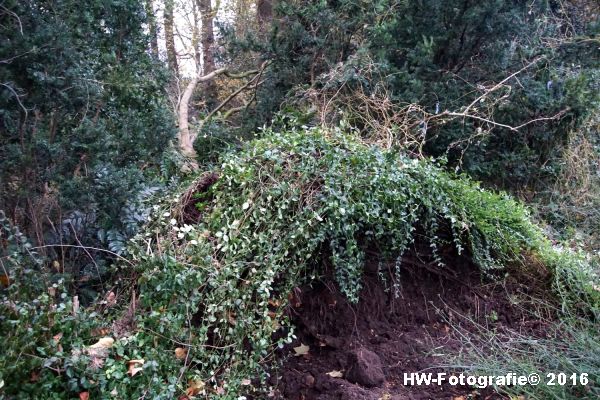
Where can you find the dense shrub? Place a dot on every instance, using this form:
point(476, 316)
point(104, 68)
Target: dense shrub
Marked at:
point(84, 123)
point(206, 312)
point(442, 55)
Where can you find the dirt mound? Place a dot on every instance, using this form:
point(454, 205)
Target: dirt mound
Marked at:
point(361, 351)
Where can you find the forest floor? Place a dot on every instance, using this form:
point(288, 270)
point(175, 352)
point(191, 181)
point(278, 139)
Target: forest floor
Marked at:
point(361, 351)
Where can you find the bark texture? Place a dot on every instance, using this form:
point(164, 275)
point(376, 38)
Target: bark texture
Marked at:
point(152, 27)
point(170, 37)
point(207, 41)
point(264, 13)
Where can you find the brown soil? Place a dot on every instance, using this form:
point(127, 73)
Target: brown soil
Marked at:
point(198, 193)
point(373, 343)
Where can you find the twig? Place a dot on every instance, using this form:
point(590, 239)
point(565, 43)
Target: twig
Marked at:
point(85, 247)
point(14, 15)
point(88, 254)
point(512, 128)
point(501, 83)
point(235, 93)
point(187, 344)
point(17, 96)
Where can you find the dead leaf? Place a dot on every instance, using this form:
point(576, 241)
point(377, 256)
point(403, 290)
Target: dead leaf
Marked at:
point(335, 374)
point(96, 363)
point(35, 376)
point(246, 382)
point(294, 297)
point(195, 387)
point(4, 280)
point(111, 299)
point(231, 318)
point(99, 351)
point(274, 303)
point(180, 353)
point(301, 350)
point(104, 343)
point(100, 331)
point(56, 265)
point(84, 395)
point(134, 366)
point(275, 324)
point(57, 337)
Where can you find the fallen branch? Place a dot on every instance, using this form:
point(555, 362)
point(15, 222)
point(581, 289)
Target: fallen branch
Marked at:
point(500, 125)
point(501, 83)
point(84, 248)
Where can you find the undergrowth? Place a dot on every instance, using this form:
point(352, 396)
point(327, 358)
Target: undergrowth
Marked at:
point(571, 348)
point(566, 355)
point(207, 311)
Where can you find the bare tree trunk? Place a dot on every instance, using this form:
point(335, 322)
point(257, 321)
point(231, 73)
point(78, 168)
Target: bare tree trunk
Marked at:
point(152, 27)
point(207, 41)
point(170, 37)
point(186, 139)
point(196, 37)
point(264, 13)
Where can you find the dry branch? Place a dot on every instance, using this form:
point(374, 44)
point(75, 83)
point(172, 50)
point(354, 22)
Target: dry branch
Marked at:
point(387, 123)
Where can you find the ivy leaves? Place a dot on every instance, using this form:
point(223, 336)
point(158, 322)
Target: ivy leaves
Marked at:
point(211, 295)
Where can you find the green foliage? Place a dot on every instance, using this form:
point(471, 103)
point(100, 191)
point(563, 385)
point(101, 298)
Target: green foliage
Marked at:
point(570, 344)
point(84, 123)
point(444, 54)
point(284, 211)
point(84, 118)
point(214, 140)
point(309, 191)
point(35, 307)
point(569, 348)
point(572, 205)
point(85, 152)
point(291, 204)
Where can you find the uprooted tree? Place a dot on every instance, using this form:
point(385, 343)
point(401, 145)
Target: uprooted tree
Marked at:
point(322, 135)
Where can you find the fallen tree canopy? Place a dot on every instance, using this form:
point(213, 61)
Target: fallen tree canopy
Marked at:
point(215, 269)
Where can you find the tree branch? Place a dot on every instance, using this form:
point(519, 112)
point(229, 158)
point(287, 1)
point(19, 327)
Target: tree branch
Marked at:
point(186, 139)
point(501, 83)
point(257, 75)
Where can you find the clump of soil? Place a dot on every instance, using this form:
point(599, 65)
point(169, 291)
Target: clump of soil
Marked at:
point(373, 343)
point(196, 197)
